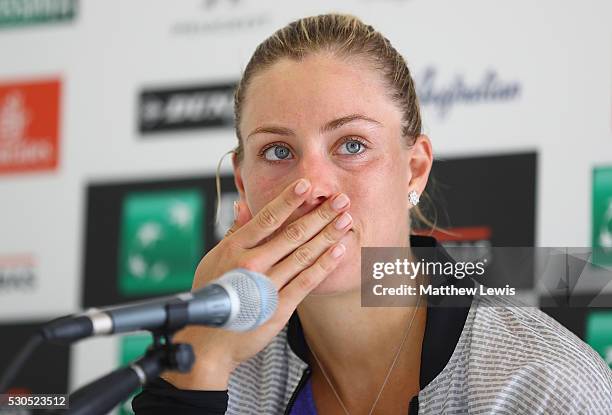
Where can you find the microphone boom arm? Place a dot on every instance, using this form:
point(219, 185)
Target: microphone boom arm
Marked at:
point(100, 396)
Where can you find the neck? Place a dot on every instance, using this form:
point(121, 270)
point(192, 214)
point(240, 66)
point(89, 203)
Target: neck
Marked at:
point(356, 346)
point(354, 342)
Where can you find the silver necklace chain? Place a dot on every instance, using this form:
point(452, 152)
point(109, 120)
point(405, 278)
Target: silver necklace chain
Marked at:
point(399, 349)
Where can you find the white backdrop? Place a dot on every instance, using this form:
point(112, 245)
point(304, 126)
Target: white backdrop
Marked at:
point(559, 54)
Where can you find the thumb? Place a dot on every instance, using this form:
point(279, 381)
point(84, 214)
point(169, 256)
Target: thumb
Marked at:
point(242, 215)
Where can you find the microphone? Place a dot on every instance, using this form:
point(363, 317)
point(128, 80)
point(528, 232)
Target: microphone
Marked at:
point(239, 300)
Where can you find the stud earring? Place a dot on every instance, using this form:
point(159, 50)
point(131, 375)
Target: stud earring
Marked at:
point(413, 197)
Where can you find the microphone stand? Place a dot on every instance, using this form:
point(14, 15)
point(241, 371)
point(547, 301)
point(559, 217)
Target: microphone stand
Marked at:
point(100, 396)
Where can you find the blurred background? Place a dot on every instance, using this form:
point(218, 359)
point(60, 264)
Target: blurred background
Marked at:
point(114, 115)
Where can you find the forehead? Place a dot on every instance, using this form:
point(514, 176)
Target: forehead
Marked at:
point(315, 90)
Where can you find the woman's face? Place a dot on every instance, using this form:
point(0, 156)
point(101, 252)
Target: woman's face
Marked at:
point(330, 121)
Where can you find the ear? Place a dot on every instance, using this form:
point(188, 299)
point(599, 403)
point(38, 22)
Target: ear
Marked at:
point(238, 176)
point(421, 159)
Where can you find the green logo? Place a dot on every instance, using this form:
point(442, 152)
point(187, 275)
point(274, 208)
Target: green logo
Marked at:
point(602, 216)
point(133, 347)
point(161, 241)
point(599, 334)
point(28, 12)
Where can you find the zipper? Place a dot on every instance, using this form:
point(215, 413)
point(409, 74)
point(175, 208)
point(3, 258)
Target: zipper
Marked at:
point(296, 392)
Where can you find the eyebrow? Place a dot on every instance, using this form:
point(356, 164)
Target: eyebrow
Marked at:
point(330, 126)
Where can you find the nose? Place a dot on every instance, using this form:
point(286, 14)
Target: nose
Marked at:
point(324, 183)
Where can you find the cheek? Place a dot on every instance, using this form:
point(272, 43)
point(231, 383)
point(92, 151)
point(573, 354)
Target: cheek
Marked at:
point(377, 210)
point(379, 201)
point(383, 185)
point(261, 190)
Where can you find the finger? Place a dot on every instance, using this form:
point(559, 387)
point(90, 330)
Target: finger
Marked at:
point(242, 215)
point(306, 255)
point(273, 215)
point(307, 280)
point(304, 229)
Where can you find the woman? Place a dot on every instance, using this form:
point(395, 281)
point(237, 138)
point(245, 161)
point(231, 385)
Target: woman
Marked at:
point(331, 158)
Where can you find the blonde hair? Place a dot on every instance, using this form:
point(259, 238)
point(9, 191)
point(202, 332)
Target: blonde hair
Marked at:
point(344, 36)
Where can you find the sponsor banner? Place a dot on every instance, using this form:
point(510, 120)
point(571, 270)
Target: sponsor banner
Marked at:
point(31, 12)
point(478, 205)
point(185, 108)
point(144, 239)
point(476, 200)
point(29, 126)
point(602, 215)
point(18, 273)
point(444, 94)
point(161, 241)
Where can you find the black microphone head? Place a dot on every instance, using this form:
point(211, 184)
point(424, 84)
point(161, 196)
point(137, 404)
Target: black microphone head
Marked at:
point(253, 296)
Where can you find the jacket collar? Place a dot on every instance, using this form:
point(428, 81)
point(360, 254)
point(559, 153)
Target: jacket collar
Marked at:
point(443, 326)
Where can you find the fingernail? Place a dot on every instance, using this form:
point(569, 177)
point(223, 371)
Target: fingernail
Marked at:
point(236, 209)
point(340, 201)
point(338, 251)
point(301, 187)
point(343, 221)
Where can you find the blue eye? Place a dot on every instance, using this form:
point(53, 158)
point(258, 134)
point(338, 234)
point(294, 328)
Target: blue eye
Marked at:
point(276, 153)
point(353, 147)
